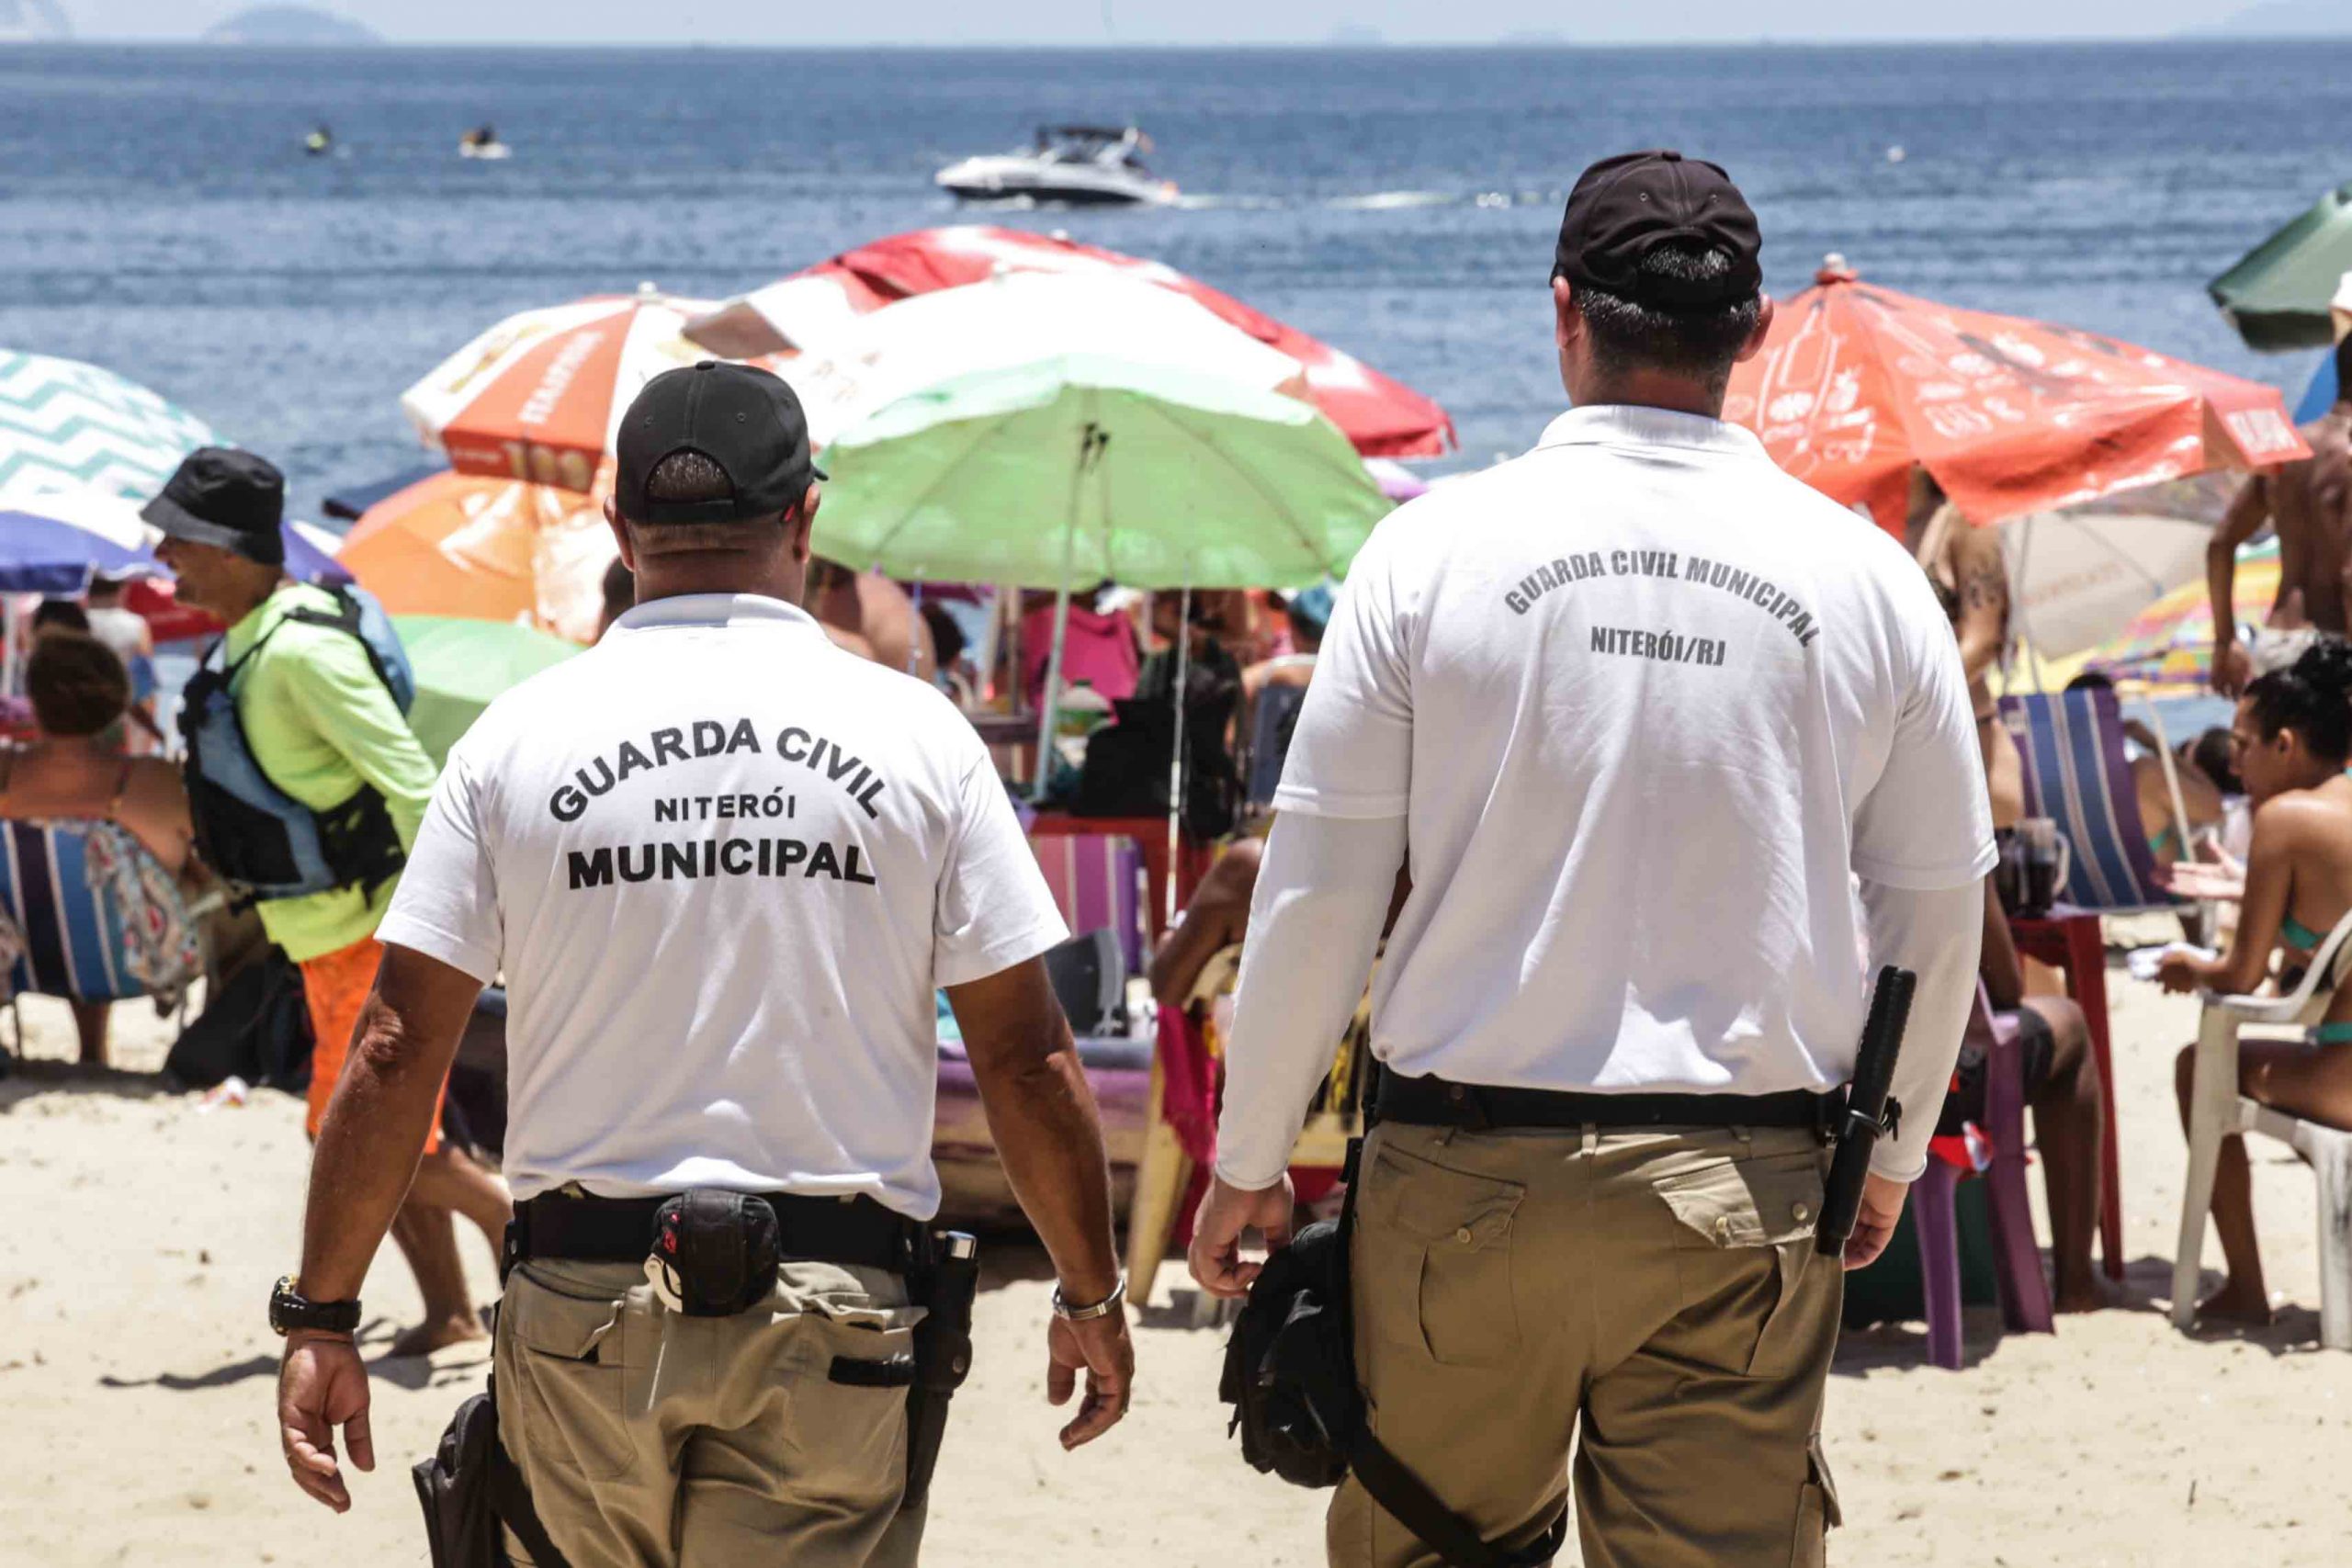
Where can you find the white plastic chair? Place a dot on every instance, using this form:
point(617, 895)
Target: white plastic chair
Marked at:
point(2216, 1110)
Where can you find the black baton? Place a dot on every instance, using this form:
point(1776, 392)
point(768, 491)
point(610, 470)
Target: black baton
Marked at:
point(1868, 1111)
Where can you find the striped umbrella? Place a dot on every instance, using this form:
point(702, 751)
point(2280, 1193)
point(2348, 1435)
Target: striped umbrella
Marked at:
point(65, 423)
point(537, 396)
point(2167, 651)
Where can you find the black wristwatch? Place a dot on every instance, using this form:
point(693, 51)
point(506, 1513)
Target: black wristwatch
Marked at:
point(289, 1309)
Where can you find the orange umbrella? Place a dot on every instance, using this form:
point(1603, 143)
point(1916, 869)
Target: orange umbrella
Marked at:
point(487, 550)
point(1857, 385)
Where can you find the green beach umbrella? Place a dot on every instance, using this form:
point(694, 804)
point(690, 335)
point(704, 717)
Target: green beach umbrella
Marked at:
point(2276, 296)
point(1085, 468)
point(460, 665)
point(1082, 468)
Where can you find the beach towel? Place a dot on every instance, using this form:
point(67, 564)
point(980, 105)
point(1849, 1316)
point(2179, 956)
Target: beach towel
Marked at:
point(1188, 1085)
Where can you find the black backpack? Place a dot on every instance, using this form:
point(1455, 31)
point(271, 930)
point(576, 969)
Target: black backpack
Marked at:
point(1290, 1375)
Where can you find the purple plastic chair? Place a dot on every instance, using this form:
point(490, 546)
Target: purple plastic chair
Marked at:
point(2017, 1266)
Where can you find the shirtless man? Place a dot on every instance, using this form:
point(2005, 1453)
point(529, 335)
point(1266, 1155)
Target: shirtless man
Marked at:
point(872, 616)
point(1972, 578)
point(2310, 505)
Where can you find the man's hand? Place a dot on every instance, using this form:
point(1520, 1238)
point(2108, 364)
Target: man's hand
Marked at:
point(1875, 1221)
point(323, 1384)
point(1100, 1347)
point(1226, 1212)
point(2233, 668)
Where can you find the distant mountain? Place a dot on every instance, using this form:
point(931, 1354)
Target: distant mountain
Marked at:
point(1355, 35)
point(2286, 19)
point(33, 21)
point(288, 25)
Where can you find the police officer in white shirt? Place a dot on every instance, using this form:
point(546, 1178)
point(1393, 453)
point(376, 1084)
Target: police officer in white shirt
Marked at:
point(1636, 710)
point(722, 865)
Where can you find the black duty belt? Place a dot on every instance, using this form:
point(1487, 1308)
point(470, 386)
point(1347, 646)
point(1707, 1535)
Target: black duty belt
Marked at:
point(855, 1231)
point(1439, 1102)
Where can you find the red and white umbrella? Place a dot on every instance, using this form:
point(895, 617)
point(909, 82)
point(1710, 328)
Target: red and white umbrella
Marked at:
point(1381, 417)
point(537, 396)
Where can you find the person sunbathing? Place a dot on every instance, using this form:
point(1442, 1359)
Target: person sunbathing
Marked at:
point(77, 769)
point(2289, 743)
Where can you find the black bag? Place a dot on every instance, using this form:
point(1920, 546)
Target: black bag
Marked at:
point(254, 1026)
point(1290, 1375)
point(1125, 772)
point(719, 1250)
point(469, 1487)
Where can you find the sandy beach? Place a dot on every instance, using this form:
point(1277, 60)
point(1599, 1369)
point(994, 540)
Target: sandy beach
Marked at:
point(137, 1372)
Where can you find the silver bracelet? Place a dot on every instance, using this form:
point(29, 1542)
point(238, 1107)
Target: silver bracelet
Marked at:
point(1104, 1308)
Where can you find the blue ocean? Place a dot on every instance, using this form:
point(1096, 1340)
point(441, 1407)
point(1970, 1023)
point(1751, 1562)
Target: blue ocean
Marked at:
point(158, 215)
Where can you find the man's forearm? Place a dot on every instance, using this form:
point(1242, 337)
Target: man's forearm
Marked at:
point(1049, 1137)
point(368, 1146)
point(1936, 936)
point(1322, 898)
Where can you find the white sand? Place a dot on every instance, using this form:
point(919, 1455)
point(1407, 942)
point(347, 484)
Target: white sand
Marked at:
point(136, 1378)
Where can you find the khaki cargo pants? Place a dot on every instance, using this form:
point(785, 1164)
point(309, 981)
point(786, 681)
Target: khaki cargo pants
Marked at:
point(1652, 1296)
point(651, 1440)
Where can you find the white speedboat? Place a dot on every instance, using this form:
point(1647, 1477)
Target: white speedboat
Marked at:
point(1070, 165)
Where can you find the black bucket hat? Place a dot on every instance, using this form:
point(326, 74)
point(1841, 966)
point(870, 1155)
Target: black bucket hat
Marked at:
point(226, 498)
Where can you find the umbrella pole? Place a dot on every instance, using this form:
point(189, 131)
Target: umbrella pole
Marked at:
point(1050, 701)
point(1176, 759)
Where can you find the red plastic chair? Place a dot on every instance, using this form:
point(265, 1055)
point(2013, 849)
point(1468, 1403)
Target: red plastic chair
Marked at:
point(2017, 1266)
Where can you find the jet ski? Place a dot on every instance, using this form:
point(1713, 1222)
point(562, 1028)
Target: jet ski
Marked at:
point(319, 142)
point(483, 141)
point(1068, 166)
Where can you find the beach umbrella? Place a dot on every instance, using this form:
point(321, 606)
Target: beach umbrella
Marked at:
point(1084, 467)
point(65, 424)
point(51, 541)
point(2168, 648)
point(462, 666)
point(2324, 393)
point(537, 396)
point(864, 364)
point(1381, 417)
point(457, 545)
point(2077, 578)
point(2277, 295)
point(1857, 385)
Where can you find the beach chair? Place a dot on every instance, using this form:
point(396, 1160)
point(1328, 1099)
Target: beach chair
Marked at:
point(2076, 775)
point(2017, 1266)
point(2216, 1110)
point(1271, 722)
point(73, 933)
point(1096, 881)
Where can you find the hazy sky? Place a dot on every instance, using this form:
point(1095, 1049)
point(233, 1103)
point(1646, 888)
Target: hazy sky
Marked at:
point(1182, 21)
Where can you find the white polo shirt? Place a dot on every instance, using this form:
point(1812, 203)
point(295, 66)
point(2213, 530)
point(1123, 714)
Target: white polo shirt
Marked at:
point(1648, 706)
point(722, 864)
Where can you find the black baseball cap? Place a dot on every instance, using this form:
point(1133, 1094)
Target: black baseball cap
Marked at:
point(229, 499)
point(1623, 206)
point(743, 418)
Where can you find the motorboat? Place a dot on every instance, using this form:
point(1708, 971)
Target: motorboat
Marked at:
point(483, 141)
point(1069, 165)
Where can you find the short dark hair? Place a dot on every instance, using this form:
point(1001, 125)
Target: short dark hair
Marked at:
point(52, 613)
point(77, 686)
point(1702, 342)
point(2312, 696)
point(2344, 370)
point(2210, 754)
point(688, 474)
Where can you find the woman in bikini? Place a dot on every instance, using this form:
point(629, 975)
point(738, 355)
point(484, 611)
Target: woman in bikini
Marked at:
point(2289, 743)
point(81, 696)
point(1971, 579)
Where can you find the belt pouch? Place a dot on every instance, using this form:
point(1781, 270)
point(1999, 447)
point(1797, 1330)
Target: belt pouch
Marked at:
point(715, 1252)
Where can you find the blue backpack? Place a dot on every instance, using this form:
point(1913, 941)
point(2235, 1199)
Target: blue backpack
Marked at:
point(260, 840)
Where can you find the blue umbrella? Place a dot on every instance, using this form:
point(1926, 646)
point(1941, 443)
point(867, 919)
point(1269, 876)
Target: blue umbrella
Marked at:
point(40, 554)
point(2323, 393)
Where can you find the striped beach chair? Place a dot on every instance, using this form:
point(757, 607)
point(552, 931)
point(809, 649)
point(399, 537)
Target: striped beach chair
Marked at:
point(2076, 775)
point(1098, 884)
point(73, 933)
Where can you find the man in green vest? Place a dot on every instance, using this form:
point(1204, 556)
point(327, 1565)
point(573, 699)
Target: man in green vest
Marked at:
point(321, 725)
